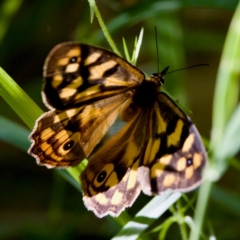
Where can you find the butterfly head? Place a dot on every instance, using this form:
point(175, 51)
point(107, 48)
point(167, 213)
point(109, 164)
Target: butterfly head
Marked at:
point(159, 77)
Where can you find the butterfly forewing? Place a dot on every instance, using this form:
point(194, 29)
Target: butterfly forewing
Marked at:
point(75, 75)
point(78, 74)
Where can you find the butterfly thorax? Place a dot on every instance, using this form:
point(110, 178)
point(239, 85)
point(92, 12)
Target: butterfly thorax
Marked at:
point(146, 94)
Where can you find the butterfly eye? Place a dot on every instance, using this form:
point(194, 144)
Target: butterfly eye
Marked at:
point(73, 60)
point(68, 145)
point(101, 176)
point(189, 161)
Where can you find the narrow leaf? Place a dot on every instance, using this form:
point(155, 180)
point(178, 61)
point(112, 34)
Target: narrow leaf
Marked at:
point(92, 5)
point(18, 100)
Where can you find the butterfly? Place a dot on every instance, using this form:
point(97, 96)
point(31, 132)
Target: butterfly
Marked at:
point(86, 88)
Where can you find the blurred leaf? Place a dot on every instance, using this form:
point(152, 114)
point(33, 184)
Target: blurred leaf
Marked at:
point(225, 100)
point(227, 85)
point(126, 52)
point(137, 47)
point(18, 100)
point(74, 181)
point(8, 130)
point(231, 4)
point(92, 6)
point(144, 10)
point(165, 226)
point(230, 144)
point(203, 196)
point(7, 11)
point(105, 31)
point(229, 201)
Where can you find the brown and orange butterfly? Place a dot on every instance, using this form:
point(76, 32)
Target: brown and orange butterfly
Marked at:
point(86, 88)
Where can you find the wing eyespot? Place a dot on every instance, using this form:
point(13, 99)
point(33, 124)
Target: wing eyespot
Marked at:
point(189, 161)
point(73, 60)
point(101, 176)
point(68, 145)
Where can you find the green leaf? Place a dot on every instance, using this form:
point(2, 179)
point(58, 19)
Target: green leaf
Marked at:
point(137, 47)
point(28, 111)
point(227, 199)
point(165, 226)
point(8, 130)
point(230, 144)
point(105, 31)
point(18, 100)
point(7, 11)
point(227, 85)
point(92, 6)
point(126, 52)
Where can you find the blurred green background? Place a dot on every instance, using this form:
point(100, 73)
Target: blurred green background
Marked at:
point(37, 203)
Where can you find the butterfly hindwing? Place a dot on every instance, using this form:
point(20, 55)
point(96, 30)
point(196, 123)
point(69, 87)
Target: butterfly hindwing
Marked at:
point(109, 181)
point(179, 171)
point(51, 138)
point(174, 157)
point(77, 74)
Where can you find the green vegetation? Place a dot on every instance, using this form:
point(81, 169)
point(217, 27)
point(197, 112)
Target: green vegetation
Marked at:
point(38, 203)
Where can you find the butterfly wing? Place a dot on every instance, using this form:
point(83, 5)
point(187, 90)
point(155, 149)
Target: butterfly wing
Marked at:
point(85, 87)
point(109, 181)
point(175, 156)
point(159, 148)
point(65, 138)
point(77, 74)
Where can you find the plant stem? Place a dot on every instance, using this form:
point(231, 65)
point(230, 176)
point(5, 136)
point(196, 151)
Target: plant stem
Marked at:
point(105, 31)
point(204, 193)
point(181, 221)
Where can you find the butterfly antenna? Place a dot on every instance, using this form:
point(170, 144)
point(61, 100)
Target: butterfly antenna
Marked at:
point(197, 65)
point(157, 49)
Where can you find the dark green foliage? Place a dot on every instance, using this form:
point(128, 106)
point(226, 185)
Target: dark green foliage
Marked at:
point(36, 203)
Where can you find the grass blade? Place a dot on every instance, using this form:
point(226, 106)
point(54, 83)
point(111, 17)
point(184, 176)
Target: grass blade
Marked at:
point(18, 100)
